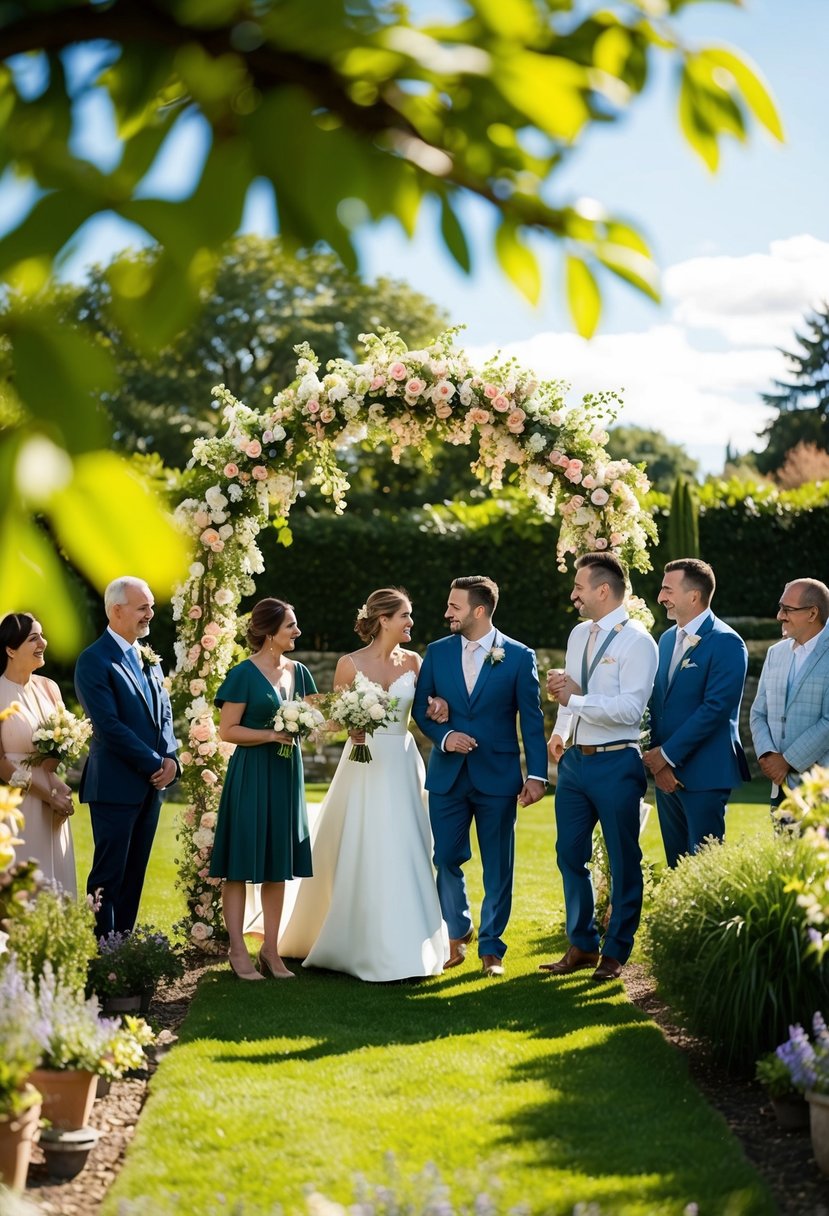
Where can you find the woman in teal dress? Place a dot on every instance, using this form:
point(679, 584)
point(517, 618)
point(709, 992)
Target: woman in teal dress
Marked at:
point(262, 828)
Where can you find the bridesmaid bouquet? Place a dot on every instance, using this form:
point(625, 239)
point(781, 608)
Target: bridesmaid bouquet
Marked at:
point(62, 737)
point(364, 706)
point(297, 718)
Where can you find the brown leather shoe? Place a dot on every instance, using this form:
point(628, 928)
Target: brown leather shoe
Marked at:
point(492, 965)
point(608, 969)
point(573, 960)
point(457, 949)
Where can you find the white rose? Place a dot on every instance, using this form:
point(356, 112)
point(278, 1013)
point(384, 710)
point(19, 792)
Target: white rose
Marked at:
point(291, 713)
point(377, 712)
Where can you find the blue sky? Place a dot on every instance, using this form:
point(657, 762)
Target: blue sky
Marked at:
point(744, 253)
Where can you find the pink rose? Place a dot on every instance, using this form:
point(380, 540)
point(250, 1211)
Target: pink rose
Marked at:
point(186, 758)
point(194, 652)
point(491, 391)
point(254, 449)
point(554, 457)
point(212, 627)
point(197, 687)
point(616, 539)
point(599, 497)
point(443, 410)
point(377, 382)
point(194, 613)
point(398, 371)
point(313, 406)
point(563, 461)
point(415, 387)
point(501, 403)
point(600, 543)
point(573, 475)
point(589, 482)
point(201, 519)
point(575, 465)
point(209, 642)
point(267, 436)
point(259, 472)
point(217, 546)
point(208, 777)
point(203, 872)
point(479, 416)
point(515, 423)
point(577, 501)
point(209, 536)
point(231, 470)
point(327, 415)
point(201, 731)
point(207, 749)
point(444, 390)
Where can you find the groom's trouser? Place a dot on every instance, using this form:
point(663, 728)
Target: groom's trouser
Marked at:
point(686, 817)
point(451, 816)
point(605, 788)
point(123, 836)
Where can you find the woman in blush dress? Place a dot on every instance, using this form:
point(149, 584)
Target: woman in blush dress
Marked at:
point(262, 826)
point(371, 909)
point(47, 805)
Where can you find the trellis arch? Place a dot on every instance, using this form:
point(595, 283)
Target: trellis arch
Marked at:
point(401, 397)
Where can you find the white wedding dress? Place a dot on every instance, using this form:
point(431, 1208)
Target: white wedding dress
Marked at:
point(372, 908)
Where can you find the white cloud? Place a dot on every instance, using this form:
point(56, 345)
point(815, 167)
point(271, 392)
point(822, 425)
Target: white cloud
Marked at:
point(701, 398)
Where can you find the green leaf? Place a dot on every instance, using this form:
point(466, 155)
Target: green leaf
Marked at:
point(108, 522)
point(33, 579)
point(632, 267)
point(695, 126)
point(517, 262)
point(753, 88)
point(548, 90)
point(454, 235)
point(583, 296)
point(46, 228)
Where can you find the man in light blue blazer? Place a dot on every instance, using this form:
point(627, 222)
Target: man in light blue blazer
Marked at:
point(132, 756)
point(696, 757)
point(790, 714)
point(487, 680)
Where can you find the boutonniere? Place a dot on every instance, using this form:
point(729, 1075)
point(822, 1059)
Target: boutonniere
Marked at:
point(686, 663)
point(496, 655)
point(609, 659)
point(149, 656)
point(692, 640)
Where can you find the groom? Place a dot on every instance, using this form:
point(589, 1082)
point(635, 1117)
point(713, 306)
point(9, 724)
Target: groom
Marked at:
point(132, 757)
point(475, 767)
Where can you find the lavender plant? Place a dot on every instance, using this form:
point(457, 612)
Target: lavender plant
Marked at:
point(807, 1061)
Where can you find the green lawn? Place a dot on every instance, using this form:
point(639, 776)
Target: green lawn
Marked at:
point(541, 1092)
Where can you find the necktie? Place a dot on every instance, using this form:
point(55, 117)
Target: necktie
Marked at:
point(592, 638)
point(135, 664)
point(470, 670)
point(679, 647)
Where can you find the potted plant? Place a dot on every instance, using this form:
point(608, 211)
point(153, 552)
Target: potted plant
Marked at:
point(53, 926)
point(19, 1100)
point(808, 1065)
point(128, 966)
point(789, 1105)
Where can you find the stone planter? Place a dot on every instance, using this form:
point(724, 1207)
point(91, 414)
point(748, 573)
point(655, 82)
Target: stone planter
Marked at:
point(819, 1124)
point(17, 1135)
point(66, 1153)
point(791, 1112)
point(68, 1095)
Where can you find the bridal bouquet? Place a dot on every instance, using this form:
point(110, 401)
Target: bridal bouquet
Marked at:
point(62, 737)
point(297, 718)
point(362, 707)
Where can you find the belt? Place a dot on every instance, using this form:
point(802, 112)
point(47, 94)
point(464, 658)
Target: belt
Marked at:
point(590, 749)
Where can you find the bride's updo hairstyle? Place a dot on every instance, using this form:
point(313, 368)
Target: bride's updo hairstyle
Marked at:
point(265, 620)
point(14, 629)
point(384, 602)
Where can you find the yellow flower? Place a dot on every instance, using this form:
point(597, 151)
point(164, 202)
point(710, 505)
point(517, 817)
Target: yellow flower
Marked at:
point(14, 708)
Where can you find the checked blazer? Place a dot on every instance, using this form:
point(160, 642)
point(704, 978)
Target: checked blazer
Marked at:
point(797, 726)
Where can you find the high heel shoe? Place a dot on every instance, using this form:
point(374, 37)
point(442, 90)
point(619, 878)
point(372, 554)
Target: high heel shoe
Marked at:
point(266, 969)
point(253, 974)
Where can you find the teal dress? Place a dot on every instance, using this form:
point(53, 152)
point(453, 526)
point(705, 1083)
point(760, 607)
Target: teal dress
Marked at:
point(262, 827)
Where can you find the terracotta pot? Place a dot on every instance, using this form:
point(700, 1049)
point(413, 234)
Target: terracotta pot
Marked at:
point(17, 1135)
point(791, 1112)
point(68, 1095)
point(819, 1124)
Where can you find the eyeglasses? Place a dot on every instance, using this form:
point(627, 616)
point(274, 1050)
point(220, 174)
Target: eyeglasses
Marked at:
point(787, 609)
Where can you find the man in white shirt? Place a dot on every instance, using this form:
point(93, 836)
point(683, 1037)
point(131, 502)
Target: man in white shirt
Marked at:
point(602, 694)
point(790, 714)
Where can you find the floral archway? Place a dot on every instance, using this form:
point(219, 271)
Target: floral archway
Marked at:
point(403, 398)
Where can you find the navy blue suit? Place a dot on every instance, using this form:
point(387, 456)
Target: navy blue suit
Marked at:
point(132, 736)
point(695, 720)
point(484, 784)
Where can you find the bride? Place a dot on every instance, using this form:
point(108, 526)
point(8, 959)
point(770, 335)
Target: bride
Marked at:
point(372, 908)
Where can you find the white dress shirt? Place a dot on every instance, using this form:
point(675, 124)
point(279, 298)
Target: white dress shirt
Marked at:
point(620, 686)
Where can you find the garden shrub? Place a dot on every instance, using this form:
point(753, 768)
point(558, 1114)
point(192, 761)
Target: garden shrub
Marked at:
point(54, 927)
point(729, 945)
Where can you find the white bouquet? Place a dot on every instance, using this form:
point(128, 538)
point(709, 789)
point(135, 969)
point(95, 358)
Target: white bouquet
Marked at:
point(296, 718)
point(62, 737)
point(364, 706)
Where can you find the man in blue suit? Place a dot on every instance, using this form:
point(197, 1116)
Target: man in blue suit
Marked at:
point(696, 758)
point(790, 714)
point(474, 773)
point(132, 757)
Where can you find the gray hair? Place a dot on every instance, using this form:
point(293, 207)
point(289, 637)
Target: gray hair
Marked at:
point(814, 594)
point(116, 592)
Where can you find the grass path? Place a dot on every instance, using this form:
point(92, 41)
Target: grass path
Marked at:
point(540, 1092)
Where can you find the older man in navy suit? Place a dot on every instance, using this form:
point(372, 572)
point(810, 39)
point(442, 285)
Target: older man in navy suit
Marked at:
point(696, 758)
point(488, 680)
point(132, 757)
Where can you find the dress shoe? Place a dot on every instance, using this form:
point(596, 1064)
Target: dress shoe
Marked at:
point(608, 969)
point(573, 960)
point(267, 970)
point(457, 950)
point(492, 965)
point(252, 974)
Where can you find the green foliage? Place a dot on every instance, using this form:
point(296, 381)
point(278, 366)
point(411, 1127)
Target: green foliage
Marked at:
point(729, 947)
point(774, 1076)
point(129, 963)
point(58, 929)
point(665, 461)
point(801, 401)
point(683, 521)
